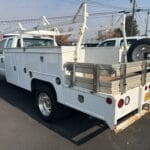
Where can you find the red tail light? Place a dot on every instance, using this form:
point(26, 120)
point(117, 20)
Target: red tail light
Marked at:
point(109, 101)
point(120, 103)
point(149, 87)
point(145, 88)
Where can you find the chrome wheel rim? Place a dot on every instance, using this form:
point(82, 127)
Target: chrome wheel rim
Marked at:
point(138, 53)
point(44, 103)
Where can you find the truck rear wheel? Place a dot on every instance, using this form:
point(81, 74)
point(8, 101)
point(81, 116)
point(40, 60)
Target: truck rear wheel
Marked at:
point(139, 51)
point(46, 105)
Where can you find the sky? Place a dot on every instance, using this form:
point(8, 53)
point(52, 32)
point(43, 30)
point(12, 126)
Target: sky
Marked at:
point(28, 8)
point(23, 9)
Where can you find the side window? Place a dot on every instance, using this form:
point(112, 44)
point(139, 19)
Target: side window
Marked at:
point(9, 44)
point(108, 43)
point(2, 45)
point(129, 42)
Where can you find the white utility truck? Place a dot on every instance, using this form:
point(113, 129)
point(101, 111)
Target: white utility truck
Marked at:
point(61, 76)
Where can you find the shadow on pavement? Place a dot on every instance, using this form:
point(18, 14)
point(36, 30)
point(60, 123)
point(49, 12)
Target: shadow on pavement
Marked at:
point(78, 128)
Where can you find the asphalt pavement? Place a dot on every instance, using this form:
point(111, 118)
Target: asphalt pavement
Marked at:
point(22, 129)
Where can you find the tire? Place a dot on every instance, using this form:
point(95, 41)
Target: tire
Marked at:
point(46, 105)
point(138, 50)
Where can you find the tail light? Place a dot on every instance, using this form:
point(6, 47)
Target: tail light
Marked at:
point(108, 100)
point(120, 103)
point(145, 88)
point(149, 87)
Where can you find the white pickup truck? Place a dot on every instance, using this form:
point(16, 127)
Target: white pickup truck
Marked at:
point(138, 49)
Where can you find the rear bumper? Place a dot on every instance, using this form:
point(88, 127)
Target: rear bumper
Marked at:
point(137, 102)
point(123, 125)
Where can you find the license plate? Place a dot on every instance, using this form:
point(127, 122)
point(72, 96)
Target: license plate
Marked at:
point(147, 96)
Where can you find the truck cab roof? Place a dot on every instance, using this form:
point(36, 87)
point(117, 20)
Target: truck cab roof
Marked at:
point(27, 40)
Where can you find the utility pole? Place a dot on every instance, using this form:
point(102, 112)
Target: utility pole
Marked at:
point(112, 22)
point(133, 14)
point(147, 23)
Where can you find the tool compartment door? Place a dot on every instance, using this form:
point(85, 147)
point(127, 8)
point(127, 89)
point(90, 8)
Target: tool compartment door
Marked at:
point(11, 68)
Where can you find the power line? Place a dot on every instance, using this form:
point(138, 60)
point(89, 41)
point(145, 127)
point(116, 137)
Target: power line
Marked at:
point(104, 5)
point(147, 23)
point(140, 18)
point(51, 19)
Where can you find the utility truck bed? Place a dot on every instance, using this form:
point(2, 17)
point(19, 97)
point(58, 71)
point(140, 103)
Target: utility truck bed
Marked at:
point(127, 85)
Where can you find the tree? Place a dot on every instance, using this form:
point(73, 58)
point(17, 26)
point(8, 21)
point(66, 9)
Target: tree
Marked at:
point(128, 26)
point(63, 39)
point(118, 33)
point(105, 34)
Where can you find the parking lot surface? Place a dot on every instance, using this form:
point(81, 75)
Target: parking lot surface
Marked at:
point(22, 129)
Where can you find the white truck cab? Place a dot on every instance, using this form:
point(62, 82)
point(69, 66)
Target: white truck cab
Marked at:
point(12, 41)
point(20, 41)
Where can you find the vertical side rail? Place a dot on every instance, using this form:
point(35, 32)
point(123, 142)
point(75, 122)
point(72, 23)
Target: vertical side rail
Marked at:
point(72, 75)
point(144, 71)
point(96, 75)
point(123, 69)
point(123, 29)
point(143, 82)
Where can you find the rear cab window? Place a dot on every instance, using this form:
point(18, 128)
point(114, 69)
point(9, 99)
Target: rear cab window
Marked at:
point(33, 42)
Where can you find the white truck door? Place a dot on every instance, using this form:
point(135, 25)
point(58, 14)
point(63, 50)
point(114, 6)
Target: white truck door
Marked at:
point(10, 63)
point(11, 68)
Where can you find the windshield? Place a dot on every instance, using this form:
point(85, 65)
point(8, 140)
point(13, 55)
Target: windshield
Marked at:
point(29, 42)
